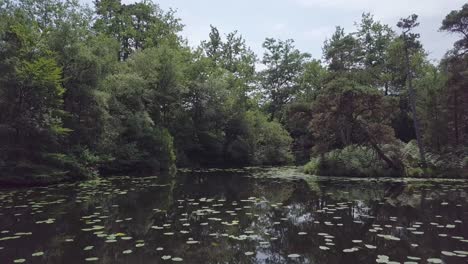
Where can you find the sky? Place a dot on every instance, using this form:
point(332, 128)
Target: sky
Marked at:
point(308, 22)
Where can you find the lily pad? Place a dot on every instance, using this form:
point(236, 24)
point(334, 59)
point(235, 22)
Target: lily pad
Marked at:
point(37, 254)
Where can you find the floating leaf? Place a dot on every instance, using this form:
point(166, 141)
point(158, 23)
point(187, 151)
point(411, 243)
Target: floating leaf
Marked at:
point(448, 253)
point(350, 250)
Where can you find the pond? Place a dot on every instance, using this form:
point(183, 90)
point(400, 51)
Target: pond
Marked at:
point(254, 215)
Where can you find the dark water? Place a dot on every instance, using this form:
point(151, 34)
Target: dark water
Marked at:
point(254, 216)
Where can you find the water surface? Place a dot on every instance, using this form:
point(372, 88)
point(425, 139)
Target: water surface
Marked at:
point(237, 216)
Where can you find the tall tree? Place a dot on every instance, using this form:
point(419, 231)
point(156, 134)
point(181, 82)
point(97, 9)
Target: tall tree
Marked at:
point(136, 26)
point(347, 113)
point(284, 68)
point(342, 52)
point(31, 89)
point(456, 65)
point(411, 43)
point(231, 54)
point(457, 22)
point(375, 39)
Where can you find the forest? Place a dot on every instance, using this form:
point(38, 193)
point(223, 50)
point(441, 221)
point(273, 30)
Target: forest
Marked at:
point(114, 89)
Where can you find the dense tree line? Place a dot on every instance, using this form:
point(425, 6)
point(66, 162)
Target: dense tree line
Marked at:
point(115, 89)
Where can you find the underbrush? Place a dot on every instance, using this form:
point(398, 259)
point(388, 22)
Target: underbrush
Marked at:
point(363, 161)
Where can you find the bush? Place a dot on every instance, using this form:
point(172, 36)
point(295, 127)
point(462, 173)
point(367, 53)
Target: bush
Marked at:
point(465, 162)
point(449, 164)
point(363, 162)
point(74, 165)
point(47, 168)
point(353, 161)
point(143, 152)
point(312, 167)
point(414, 172)
point(270, 142)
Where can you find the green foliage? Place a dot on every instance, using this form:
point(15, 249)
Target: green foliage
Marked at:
point(271, 142)
point(352, 161)
point(465, 162)
point(312, 167)
point(31, 93)
point(415, 172)
point(136, 26)
point(454, 159)
point(231, 54)
point(347, 114)
point(280, 80)
point(74, 164)
point(116, 90)
point(455, 22)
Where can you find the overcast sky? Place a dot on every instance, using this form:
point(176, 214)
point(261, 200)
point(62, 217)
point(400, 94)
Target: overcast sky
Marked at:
point(308, 22)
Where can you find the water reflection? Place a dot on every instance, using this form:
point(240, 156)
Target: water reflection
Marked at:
point(237, 216)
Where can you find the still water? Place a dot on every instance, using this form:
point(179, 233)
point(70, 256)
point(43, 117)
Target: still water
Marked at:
point(237, 216)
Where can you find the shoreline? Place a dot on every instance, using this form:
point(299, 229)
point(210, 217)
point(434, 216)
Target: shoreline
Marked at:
point(271, 172)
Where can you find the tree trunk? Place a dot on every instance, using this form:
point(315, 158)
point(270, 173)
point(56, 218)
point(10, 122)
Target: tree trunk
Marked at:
point(412, 99)
point(379, 151)
point(455, 117)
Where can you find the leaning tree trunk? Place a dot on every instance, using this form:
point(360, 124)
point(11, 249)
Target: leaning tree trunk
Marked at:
point(391, 163)
point(412, 99)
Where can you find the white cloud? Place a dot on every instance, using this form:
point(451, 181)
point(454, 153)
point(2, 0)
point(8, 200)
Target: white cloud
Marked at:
point(387, 9)
point(431, 13)
point(279, 27)
point(319, 33)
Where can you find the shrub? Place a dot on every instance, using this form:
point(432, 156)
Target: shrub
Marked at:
point(465, 162)
point(450, 164)
point(270, 142)
point(144, 152)
point(414, 172)
point(353, 161)
point(363, 161)
point(312, 167)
